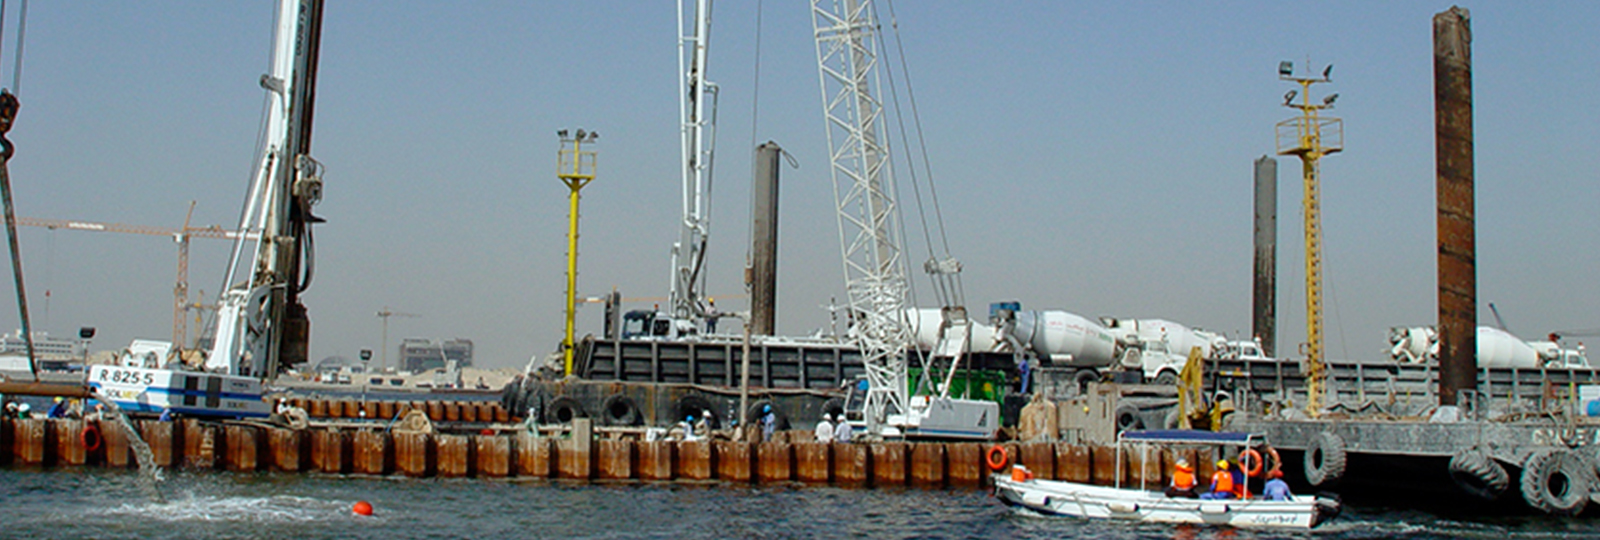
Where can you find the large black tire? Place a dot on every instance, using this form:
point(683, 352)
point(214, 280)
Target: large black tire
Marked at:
point(833, 407)
point(695, 405)
point(1325, 460)
point(1127, 417)
point(563, 409)
point(780, 420)
point(620, 410)
point(1478, 474)
point(1556, 482)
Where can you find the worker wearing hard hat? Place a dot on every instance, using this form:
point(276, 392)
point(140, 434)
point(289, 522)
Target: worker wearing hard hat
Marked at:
point(57, 409)
point(1183, 482)
point(1221, 482)
point(825, 429)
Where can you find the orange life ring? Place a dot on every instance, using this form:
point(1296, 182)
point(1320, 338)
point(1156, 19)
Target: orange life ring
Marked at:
point(1253, 458)
point(90, 444)
point(1277, 462)
point(996, 458)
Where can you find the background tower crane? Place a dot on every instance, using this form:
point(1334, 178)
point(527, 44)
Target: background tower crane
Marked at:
point(180, 292)
point(1310, 137)
point(384, 314)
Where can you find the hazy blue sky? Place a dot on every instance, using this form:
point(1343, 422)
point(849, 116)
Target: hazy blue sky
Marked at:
point(1092, 156)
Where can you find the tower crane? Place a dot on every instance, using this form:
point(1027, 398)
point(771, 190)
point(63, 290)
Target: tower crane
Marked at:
point(384, 314)
point(180, 292)
point(869, 226)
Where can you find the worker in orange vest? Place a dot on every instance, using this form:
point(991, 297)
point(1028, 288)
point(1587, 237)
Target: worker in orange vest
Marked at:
point(1221, 483)
point(1183, 483)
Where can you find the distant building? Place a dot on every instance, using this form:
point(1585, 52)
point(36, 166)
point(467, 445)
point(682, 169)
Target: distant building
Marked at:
point(52, 353)
point(417, 354)
point(335, 364)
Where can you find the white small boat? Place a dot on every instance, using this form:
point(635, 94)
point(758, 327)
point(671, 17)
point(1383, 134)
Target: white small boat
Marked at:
point(1052, 497)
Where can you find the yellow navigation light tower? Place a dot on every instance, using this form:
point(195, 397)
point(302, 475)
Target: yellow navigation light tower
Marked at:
point(575, 167)
point(1311, 136)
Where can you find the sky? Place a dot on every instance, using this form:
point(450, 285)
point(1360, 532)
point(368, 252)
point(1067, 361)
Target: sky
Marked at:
point(1094, 157)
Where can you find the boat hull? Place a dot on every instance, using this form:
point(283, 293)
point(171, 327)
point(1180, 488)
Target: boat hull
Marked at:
point(1099, 502)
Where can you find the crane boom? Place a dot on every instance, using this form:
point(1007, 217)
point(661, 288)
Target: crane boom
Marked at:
point(875, 275)
point(697, 115)
point(262, 326)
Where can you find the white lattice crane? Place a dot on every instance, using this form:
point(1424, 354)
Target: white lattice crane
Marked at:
point(869, 228)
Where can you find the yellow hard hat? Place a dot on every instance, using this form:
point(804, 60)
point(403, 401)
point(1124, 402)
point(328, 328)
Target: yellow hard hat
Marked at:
point(58, 399)
point(1222, 463)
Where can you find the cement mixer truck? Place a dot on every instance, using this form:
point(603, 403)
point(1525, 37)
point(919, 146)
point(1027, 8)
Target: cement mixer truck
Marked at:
point(1154, 348)
point(1496, 349)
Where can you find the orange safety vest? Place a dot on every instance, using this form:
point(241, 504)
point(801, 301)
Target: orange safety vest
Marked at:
point(1183, 477)
point(1222, 481)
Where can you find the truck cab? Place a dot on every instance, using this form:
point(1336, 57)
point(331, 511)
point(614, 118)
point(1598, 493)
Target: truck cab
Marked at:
point(649, 324)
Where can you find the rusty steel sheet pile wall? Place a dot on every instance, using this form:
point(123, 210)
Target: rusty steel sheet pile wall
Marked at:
point(582, 454)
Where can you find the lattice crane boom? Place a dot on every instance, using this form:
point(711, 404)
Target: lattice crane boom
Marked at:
point(863, 183)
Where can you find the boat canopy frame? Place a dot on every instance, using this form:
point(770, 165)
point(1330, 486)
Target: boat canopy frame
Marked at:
point(1173, 437)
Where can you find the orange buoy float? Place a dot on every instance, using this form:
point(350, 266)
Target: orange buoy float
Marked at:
point(997, 458)
point(90, 437)
point(362, 508)
point(1252, 457)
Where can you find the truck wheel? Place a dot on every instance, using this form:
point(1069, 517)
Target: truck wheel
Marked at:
point(1167, 378)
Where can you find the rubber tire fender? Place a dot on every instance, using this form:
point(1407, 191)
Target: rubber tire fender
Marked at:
point(620, 410)
point(563, 410)
point(834, 406)
point(1555, 482)
point(1127, 418)
point(694, 405)
point(780, 420)
point(1478, 474)
point(1325, 459)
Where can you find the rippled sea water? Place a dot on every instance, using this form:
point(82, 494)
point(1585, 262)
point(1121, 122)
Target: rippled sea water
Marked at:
point(107, 503)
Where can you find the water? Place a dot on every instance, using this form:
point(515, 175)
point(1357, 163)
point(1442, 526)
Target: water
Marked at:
point(108, 503)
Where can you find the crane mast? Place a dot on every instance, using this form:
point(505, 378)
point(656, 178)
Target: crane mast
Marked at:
point(262, 326)
point(697, 115)
point(875, 275)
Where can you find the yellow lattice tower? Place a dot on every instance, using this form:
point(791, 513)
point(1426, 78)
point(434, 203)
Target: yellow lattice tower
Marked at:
point(1311, 136)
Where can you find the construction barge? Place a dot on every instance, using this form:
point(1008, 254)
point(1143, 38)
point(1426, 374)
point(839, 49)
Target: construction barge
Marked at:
point(1521, 434)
